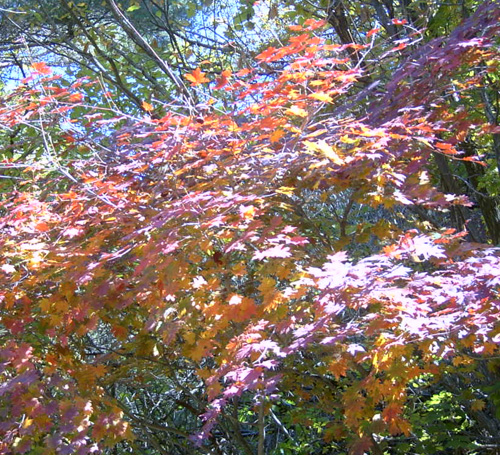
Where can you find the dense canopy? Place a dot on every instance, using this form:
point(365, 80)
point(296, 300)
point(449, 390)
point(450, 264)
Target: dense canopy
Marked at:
point(233, 228)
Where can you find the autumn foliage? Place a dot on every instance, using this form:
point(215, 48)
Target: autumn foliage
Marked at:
point(185, 240)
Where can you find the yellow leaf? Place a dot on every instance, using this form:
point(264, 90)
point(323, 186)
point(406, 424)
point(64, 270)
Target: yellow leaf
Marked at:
point(282, 272)
point(61, 305)
point(321, 96)
point(27, 423)
point(299, 112)
point(323, 147)
point(190, 337)
point(379, 360)
point(318, 132)
point(45, 305)
point(347, 140)
point(239, 269)
point(286, 190)
point(55, 319)
point(267, 285)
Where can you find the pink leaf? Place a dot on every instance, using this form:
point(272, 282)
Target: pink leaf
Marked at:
point(278, 251)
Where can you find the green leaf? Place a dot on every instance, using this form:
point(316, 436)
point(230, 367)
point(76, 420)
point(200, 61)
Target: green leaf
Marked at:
point(133, 7)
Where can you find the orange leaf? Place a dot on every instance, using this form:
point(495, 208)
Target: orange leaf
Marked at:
point(248, 213)
point(392, 412)
point(267, 55)
point(147, 107)
point(42, 226)
point(446, 148)
point(41, 68)
point(276, 135)
point(75, 97)
point(313, 24)
point(243, 72)
point(196, 77)
point(474, 159)
point(338, 367)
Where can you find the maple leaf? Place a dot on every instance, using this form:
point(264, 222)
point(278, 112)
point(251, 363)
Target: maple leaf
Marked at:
point(278, 251)
point(478, 405)
point(248, 213)
point(323, 147)
point(8, 268)
point(361, 446)
point(147, 107)
point(41, 68)
point(372, 32)
point(276, 135)
point(399, 47)
point(424, 247)
point(313, 24)
point(223, 79)
point(338, 367)
point(75, 97)
point(297, 111)
point(196, 77)
point(321, 96)
point(391, 412)
point(169, 259)
point(72, 232)
point(267, 55)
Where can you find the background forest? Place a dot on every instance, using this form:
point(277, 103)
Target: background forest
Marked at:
point(251, 228)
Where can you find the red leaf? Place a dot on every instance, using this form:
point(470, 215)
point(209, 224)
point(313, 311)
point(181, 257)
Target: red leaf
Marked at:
point(399, 21)
point(373, 31)
point(398, 47)
point(223, 79)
